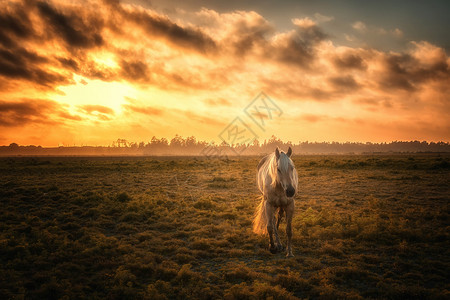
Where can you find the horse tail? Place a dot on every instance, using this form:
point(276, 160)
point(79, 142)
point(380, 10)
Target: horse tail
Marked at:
point(260, 219)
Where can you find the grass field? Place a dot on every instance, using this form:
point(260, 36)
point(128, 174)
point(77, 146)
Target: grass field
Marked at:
point(180, 228)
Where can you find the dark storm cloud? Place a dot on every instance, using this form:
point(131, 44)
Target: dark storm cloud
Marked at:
point(20, 63)
point(71, 27)
point(15, 24)
point(17, 62)
point(27, 111)
point(18, 24)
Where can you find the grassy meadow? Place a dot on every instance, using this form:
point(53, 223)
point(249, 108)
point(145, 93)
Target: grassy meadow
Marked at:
point(366, 226)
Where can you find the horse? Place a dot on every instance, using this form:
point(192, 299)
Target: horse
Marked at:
point(277, 180)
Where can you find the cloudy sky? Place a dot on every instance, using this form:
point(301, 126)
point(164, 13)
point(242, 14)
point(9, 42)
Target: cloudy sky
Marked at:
point(88, 72)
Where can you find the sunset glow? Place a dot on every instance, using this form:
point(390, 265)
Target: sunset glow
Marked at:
point(89, 72)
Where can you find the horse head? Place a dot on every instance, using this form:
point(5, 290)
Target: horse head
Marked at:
point(286, 173)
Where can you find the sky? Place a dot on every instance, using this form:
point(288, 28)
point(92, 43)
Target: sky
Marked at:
point(89, 72)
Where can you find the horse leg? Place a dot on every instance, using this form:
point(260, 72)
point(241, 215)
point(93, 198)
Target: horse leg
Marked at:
point(289, 215)
point(280, 217)
point(270, 210)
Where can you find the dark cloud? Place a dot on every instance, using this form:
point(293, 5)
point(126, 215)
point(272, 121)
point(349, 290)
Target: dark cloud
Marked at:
point(135, 70)
point(18, 62)
point(247, 35)
point(22, 64)
point(93, 70)
point(186, 37)
point(71, 27)
point(318, 94)
point(69, 63)
point(311, 34)
point(439, 70)
point(396, 75)
point(349, 61)
point(159, 26)
point(15, 24)
point(18, 24)
point(294, 52)
point(344, 82)
point(20, 113)
point(405, 72)
point(298, 47)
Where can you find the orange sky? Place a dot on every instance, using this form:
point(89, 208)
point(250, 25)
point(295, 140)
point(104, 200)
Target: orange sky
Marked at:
point(89, 72)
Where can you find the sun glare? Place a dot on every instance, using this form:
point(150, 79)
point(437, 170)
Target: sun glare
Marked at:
point(95, 92)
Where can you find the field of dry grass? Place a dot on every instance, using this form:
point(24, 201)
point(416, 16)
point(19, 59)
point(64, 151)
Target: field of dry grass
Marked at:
point(180, 228)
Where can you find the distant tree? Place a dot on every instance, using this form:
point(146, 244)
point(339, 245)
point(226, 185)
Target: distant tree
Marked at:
point(177, 142)
point(190, 142)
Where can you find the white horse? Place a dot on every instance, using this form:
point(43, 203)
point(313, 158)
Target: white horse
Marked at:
point(277, 180)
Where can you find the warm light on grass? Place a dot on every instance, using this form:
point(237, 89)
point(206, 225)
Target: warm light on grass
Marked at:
point(364, 227)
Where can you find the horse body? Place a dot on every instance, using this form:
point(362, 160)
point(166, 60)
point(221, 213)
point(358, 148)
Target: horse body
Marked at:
point(277, 180)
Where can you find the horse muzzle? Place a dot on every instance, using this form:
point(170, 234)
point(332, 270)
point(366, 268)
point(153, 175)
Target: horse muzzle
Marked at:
point(290, 191)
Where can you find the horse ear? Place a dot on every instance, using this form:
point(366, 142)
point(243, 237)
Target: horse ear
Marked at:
point(289, 153)
point(277, 153)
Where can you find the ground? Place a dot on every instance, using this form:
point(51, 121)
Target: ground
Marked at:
point(366, 226)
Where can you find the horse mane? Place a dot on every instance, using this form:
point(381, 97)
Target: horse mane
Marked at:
point(268, 165)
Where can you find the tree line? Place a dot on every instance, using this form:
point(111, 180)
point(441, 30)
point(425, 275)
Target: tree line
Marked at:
point(179, 145)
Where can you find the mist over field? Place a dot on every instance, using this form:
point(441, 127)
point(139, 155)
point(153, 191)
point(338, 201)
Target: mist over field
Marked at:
point(190, 146)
